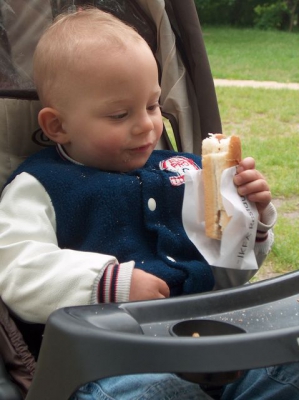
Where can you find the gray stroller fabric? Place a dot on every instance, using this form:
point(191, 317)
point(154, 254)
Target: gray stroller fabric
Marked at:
point(14, 352)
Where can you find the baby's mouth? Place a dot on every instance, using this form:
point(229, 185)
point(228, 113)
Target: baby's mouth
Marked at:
point(142, 148)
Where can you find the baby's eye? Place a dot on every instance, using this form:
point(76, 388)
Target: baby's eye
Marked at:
point(153, 107)
point(118, 116)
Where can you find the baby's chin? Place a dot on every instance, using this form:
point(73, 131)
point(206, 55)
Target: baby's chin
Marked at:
point(123, 168)
point(122, 164)
point(132, 163)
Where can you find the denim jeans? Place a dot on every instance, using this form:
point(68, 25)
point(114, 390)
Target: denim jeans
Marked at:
point(141, 387)
point(273, 383)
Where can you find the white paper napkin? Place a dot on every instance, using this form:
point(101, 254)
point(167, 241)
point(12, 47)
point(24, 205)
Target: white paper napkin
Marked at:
point(236, 248)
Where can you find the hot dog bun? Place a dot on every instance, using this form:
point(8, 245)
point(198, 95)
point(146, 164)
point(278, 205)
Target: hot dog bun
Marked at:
point(218, 153)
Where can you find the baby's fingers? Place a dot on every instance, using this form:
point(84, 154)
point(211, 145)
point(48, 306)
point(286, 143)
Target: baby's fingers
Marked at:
point(164, 289)
point(245, 164)
point(256, 191)
point(261, 199)
point(250, 186)
point(247, 176)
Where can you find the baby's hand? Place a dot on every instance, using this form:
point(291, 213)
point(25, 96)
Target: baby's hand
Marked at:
point(145, 286)
point(252, 184)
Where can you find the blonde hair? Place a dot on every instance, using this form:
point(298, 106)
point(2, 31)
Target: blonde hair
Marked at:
point(68, 40)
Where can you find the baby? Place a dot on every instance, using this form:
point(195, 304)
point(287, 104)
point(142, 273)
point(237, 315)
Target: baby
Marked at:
point(97, 218)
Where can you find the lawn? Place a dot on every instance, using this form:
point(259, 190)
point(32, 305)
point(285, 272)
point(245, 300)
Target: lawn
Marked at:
point(253, 54)
point(266, 119)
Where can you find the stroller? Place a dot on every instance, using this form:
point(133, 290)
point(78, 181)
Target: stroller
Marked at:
point(75, 338)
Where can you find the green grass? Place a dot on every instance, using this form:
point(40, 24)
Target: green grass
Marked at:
point(252, 54)
point(267, 121)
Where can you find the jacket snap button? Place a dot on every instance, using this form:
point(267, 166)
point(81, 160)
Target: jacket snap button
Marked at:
point(170, 258)
point(152, 205)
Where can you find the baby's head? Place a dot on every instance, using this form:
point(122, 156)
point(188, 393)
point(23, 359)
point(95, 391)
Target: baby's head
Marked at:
point(97, 80)
point(67, 46)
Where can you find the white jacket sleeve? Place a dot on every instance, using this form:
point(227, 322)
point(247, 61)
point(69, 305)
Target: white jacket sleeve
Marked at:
point(36, 276)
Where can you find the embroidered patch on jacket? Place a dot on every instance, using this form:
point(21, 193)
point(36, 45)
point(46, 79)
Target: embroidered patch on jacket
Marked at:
point(179, 165)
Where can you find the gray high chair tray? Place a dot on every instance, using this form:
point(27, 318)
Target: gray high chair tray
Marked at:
point(247, 327)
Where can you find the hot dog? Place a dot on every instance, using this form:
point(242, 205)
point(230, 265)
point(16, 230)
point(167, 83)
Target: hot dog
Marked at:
point(218, 153)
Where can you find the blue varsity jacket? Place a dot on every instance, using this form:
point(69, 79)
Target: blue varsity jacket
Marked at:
point(132, 216)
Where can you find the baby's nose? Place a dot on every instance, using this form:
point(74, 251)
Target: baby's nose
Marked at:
point(144, 124)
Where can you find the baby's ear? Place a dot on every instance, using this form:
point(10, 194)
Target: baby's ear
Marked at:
point(50, 121)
